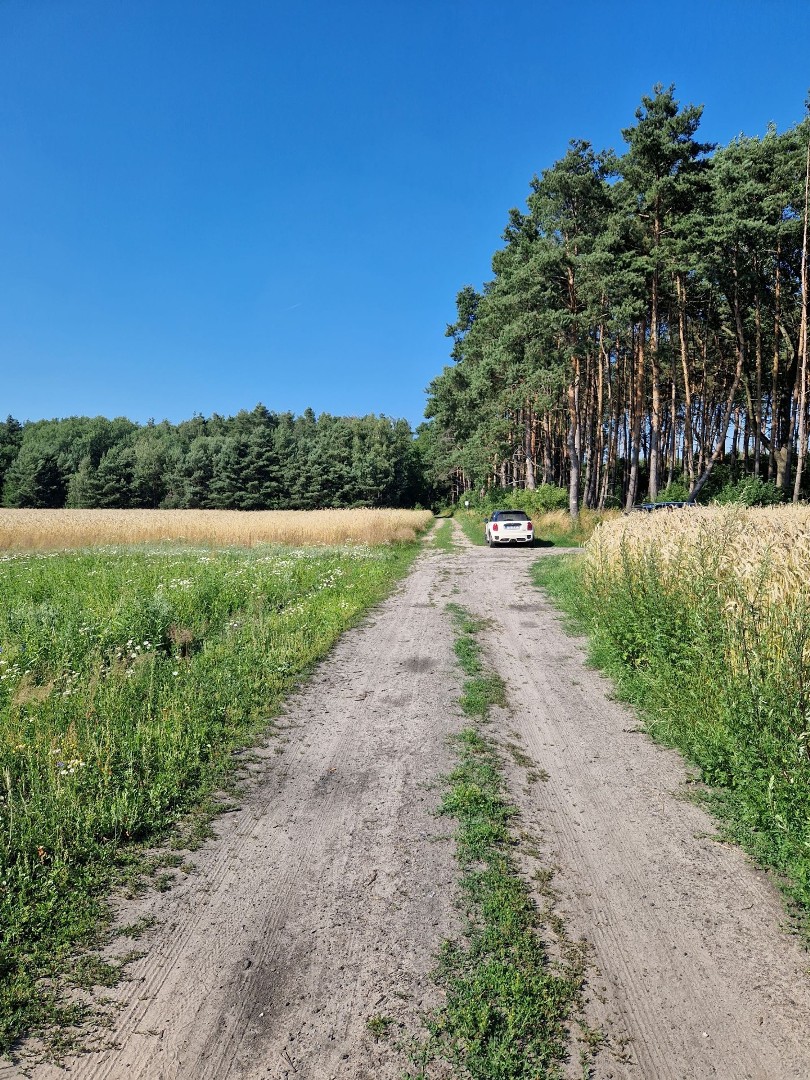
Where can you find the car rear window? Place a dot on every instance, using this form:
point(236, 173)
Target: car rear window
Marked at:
point(512, 515)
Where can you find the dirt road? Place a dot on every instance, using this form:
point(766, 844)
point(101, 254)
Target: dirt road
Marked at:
point(322, 902)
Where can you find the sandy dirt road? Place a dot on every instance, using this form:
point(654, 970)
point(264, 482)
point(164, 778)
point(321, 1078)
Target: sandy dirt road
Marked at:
point(323, 901)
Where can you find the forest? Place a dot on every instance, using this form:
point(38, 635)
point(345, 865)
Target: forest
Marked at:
point(644, 335)
point(257, 460)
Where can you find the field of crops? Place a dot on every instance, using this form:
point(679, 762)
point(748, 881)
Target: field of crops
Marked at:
point(127, 678)
point(42, 530)
point(703, 618)
point(761, 552)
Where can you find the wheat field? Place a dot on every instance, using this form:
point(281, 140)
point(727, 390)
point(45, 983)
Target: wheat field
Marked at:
point(59, 530)
point(703, 615)
point(747, 568)
point(764, 550)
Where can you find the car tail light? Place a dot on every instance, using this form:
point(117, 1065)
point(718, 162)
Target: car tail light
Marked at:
point(529, 526)
point(495, 526)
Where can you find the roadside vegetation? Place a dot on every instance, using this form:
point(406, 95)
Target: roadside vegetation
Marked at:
point(443, 536)
point(42, 530)
point(701, 617)
point(507, 1003)
point(128, 677)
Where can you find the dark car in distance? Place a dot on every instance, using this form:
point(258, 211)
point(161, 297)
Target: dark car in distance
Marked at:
point(648, 508)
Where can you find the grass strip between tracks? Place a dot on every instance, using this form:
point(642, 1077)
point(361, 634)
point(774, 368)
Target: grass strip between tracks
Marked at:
point(443, 536)
point(507, 1002)
point(128, 679)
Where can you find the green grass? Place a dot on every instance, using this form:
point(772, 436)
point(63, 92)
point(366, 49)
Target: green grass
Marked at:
point(506, 1003)
point(378, 1025)
point(482, 689)
point(472, 523)
point(443, 536)
point(669, 649)
point(127, 680)
point(560, 577)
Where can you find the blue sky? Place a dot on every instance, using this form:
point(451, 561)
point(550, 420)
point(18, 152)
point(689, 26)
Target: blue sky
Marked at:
point(210, 203)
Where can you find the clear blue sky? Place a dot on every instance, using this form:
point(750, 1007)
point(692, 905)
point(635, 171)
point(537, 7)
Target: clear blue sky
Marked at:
point(210, 203)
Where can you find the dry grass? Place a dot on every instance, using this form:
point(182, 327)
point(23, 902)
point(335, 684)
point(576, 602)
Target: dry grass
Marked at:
point(557, 523)
point(42, 530)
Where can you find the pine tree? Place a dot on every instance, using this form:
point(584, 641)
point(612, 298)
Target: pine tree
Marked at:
point(661, 172)
point(114, 478)
point(261, 474)
point(226, 490)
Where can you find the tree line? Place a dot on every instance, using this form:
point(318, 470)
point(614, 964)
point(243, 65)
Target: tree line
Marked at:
point(645, 330)
point(255, 460)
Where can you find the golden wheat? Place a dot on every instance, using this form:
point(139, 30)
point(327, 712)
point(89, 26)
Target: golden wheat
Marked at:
point(559, 521)
point(755, 562)
point(27, 530)
point(765, 550)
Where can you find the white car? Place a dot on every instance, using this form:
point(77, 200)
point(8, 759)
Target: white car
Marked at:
point(509, 527)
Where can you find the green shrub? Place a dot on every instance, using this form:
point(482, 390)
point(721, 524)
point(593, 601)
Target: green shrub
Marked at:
point(542, 499)
point(676, 491)
point(750, 491)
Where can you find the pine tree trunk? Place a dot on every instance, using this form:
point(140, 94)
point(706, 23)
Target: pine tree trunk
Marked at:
point(598, 447)
point(548, 461)
point(637, 408)
point(801, 448)
point(757, 416)
point(655, 415)
point(789, 423)
point(609, 476)
point(528, 447)
point(688, 437)
point(573, 442)
point(673, 434)
point(722, 430)
point(776, 441)
point(586, 429)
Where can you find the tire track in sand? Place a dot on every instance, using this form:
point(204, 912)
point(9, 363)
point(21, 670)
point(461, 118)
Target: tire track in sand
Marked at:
point(696, 976)
point(324, 900)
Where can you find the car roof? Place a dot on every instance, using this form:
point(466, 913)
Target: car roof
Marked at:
point(649, 507)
